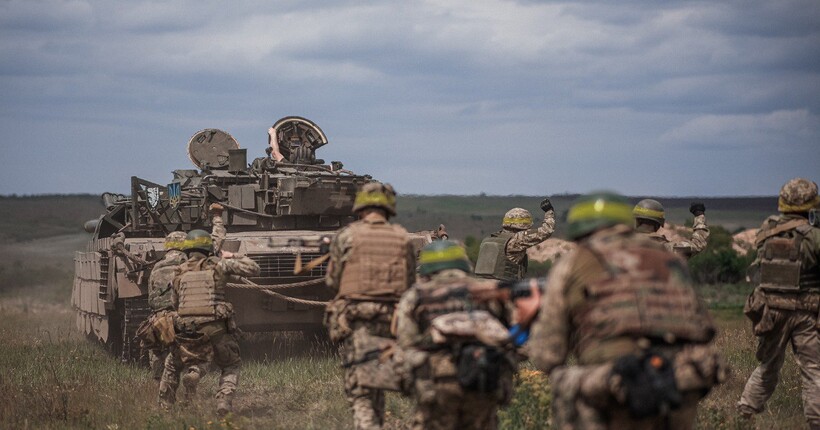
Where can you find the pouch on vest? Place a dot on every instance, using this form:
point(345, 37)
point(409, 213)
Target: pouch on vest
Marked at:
point(780, 264)
point(469, 326)
point(145, 333)
point(490, 256)
point(479, 368)
point(649, 384)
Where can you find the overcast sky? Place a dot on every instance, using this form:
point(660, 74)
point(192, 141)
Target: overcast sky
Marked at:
point(436, 97)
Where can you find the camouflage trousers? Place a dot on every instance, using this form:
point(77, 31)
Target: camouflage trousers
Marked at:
point(156, 361)
point(367, 403)
point(582, 400)
point(191, 357)
point(452, 408)
point(797, 328)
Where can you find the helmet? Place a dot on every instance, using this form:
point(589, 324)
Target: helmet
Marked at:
point(798, 195)
point(376, 195)
point(517, 219)
point(596, 211)
point(441, 255)
point(650, 210)
point(199, 240)
point(175, 240)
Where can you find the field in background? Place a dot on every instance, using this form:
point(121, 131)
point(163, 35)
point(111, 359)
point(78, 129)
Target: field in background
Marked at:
point(52, 377)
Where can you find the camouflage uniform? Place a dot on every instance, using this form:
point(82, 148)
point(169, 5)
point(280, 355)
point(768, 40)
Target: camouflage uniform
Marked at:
point(517, 237)
point(650, 217)
point(203, 340)
point(367, 292)
point(160, 291)
point(589, 308)
point(441, 402)
point(784, 306)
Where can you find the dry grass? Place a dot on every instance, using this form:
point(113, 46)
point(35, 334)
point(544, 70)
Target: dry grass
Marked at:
point(53, 378)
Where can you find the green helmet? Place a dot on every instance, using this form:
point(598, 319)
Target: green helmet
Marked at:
point(199, 240)
point(650, 210)
point(596, 211)
point(376, 195)
point(441, 255)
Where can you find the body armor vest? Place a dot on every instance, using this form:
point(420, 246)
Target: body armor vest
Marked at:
point(781, 262)
point(492, 261)
point(449, 297)
point(199, 293)
point(643, 292)
point(161, 281)
point(376, 265)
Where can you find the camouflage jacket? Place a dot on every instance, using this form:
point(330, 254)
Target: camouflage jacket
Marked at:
point(687, 248)
point(340, 248)
point(554, 334)
point(161, 281)
point(224, 269)
point(218, 232)
point(517, 246)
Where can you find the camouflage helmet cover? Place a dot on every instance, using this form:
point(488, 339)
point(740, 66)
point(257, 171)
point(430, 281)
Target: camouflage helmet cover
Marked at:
point(200, 240)
point(441, 255)
point(517, 219)
point(798, 195)
point(376, 195)
point(175, 240)
point(651, 210)
point(596, 211)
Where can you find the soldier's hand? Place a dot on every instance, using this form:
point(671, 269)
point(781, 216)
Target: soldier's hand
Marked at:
point(697, 208)
point(441, 233)
point(216, 208)
point(546, 204)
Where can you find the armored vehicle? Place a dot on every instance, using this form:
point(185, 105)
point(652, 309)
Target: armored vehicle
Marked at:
point(281, 210)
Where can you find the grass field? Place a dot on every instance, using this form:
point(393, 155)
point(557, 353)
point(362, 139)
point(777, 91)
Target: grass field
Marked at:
point(51, 377)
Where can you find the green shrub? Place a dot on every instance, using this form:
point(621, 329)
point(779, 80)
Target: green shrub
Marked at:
point(719, 262)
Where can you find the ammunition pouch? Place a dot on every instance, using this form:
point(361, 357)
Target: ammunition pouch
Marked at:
point(648, 383)
point(758, 312)
point(479, 368)
point(157, 331)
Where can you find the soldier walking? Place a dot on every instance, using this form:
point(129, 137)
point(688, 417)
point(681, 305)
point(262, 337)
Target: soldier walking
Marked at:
point(205, 329)
point(160, 292)
point(503, 255)
point(468, 373)
point(625, 308)
point(372, 262)
point(650, 217)
point(784, 306)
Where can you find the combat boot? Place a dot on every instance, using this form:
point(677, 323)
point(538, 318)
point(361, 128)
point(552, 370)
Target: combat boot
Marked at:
point(224, 405)
point(190, 380)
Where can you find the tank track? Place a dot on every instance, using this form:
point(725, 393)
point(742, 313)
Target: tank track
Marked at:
point(135, 311)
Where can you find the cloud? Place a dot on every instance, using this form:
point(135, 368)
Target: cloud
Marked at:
point(783, 130)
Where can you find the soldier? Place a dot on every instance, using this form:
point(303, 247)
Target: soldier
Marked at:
point(160, 291)
point(503, 255)
point(458, 391)
point(784, 306)
point(205, 329)
point(650, 217)
point(372, 262)
point(625, 308)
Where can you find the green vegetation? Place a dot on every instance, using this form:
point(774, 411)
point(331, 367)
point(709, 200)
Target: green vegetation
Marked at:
point(719, 263)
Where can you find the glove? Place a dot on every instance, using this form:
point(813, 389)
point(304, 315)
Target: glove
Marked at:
point(519, 335)
point(697, 209)
point(216, 208)
point(546, 204)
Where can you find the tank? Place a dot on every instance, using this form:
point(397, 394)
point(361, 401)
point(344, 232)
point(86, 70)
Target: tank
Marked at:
point(282, 214)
